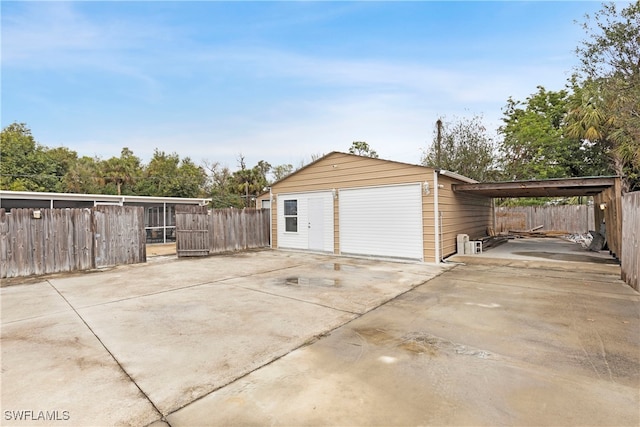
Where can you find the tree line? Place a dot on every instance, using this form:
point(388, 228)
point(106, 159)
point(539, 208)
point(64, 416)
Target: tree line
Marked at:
point(589, 128)
point(26, 165)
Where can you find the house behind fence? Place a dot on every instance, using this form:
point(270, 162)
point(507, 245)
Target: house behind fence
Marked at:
point(42, 241)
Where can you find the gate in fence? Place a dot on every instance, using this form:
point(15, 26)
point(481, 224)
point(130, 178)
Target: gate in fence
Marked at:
point(192, 230)
point(200, 232)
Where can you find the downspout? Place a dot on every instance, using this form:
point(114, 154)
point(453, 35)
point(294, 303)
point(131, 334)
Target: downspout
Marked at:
point(436, 216)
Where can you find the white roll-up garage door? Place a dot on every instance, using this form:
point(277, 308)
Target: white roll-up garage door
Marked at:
point(382, 221)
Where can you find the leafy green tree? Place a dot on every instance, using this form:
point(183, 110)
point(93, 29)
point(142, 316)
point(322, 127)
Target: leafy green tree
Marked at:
point(191, 178)
point(361, 148)
point(24, 164)
point(122, 172)
point(83, 177)
point(219, 186)
point(167, 176)
point(609, 114)
point(281, 171)
point(588, 122)
point(612, 47)
point(535, 143)
point(249, 183)
point(62, 160)
point(465, 148)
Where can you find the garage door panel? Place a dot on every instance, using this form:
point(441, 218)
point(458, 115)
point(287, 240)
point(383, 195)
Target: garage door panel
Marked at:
point(382, 221)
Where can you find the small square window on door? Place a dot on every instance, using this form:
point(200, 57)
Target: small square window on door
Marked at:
point(291, 215)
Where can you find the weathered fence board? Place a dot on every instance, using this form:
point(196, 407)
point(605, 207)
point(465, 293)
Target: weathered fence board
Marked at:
point(630, 258)
point(5, 265)
point(571, 218)
point(83, 239)
point(239, 229)
point(60, 240)
point(192, 230)
point(119, 235)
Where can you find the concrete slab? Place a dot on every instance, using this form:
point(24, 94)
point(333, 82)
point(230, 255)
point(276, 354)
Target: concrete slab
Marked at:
point(181, 345)
point(338, 283)
point(30, 301)
point(131, 281)
point(167, 333)
point(56, 372)
point(473, 346)
point(548, 253)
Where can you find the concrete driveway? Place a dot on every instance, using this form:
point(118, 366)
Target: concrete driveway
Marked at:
point(279, 338)
point(133, 344)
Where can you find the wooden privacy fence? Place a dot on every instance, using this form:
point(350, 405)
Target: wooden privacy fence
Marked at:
point(239, 229)
point(573, 219)
point(630, 259)
point(42, 241)
point(200, 232)
point(192, 230)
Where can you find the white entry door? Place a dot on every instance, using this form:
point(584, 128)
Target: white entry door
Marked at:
point(315, 223)
point(310, 217)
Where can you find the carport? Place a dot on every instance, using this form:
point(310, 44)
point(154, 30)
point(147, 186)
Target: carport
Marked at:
point(605, 190)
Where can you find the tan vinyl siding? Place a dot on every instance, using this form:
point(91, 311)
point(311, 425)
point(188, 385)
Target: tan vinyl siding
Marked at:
point(461, 214)
point(339, 171)
point(428, 223)
point(261, 198)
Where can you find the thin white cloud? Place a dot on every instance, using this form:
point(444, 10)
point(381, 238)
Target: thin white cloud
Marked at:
point(325, 101)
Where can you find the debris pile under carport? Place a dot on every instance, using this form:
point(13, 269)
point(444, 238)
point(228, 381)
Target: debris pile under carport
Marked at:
point(591, 240)
point(583, 239)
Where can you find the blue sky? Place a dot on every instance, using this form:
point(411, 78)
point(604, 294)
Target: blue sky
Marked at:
point(275, 81)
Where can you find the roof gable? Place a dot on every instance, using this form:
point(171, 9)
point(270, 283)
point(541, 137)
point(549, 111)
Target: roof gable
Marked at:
point(343, 170)
point(337, 158)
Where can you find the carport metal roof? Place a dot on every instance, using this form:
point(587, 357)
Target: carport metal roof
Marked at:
point(585, 186)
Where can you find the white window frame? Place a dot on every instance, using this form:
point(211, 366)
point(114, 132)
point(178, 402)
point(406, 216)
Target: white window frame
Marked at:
point(287, 216)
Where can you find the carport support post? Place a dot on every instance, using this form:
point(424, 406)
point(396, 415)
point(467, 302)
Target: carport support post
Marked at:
point(493, 209)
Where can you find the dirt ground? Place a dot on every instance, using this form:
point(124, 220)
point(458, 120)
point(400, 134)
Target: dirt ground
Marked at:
point(161, 249)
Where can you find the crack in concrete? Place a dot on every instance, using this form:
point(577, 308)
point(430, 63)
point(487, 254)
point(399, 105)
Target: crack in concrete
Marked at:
point(195, 285)
point(306, 342)
point(124, 371)
point(546, 289)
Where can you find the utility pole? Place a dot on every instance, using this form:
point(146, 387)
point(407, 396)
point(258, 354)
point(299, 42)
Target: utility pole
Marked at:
point(438, 142)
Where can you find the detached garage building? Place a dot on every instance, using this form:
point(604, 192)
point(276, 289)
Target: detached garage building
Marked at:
point(353, 205)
